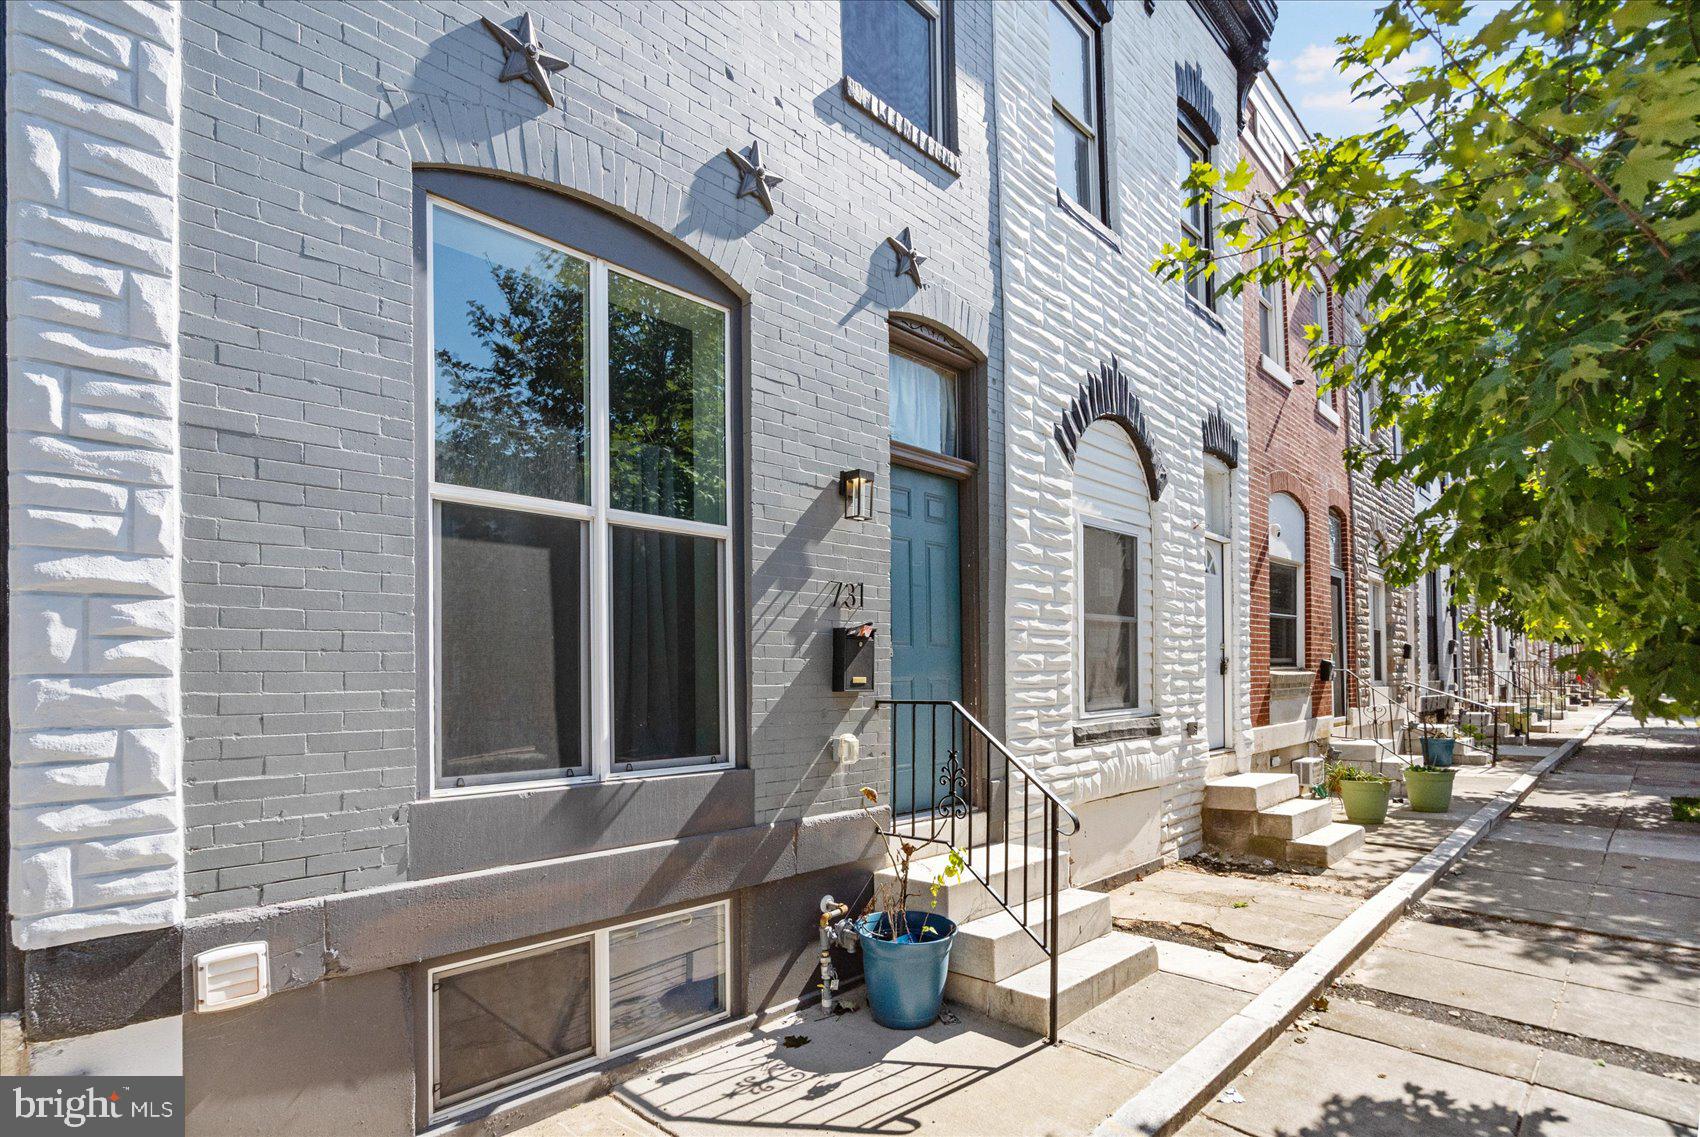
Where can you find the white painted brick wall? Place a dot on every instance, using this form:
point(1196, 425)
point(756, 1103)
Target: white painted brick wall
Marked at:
point(1070, 302)
point(92, 155)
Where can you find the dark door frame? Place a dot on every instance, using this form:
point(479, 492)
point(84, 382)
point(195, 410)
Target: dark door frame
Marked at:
point(967, 471)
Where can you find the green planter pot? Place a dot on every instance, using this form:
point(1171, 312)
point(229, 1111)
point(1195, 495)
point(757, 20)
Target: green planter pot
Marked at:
point(1430, 790)
point(1366, 802)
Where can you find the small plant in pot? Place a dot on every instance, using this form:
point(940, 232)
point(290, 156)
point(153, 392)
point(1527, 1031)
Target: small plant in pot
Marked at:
point(905, 953)
point(1430, 787)
point(1365, 795)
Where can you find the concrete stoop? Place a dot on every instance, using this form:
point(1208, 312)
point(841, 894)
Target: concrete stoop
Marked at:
point(998, 969)
point(1262, 815)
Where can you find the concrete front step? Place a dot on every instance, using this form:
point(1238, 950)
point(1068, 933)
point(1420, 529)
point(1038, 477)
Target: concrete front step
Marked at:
point(995, 947)
point(1086, 976)
point(1326, 847)
point(965, 898)
point(1233, 830)
point(1355, 750)
point(1249, 792)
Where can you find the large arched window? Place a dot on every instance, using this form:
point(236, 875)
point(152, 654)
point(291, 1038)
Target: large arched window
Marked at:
point(578, 465)
point(1286, 581)
point(1114, 540)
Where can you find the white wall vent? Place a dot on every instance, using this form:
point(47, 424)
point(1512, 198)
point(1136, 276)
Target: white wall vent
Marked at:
point(232, 976)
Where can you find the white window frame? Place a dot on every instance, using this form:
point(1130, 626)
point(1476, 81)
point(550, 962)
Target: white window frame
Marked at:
point(1319, 286)
point(1093, 134)
point(1142, 571)
point(1380, 663)
point(1202, 151)
point(599, 517)
point(1271, 309)
point(1298, 568)
point(601, 1016)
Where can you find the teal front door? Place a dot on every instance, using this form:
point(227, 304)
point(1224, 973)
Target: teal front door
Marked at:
point(926, 629)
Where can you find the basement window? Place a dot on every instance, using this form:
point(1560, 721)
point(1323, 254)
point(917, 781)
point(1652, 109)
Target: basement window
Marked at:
point(516, 1019)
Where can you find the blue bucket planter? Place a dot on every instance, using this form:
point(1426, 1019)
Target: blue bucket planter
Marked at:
point(1437, 752)
point(905, 976)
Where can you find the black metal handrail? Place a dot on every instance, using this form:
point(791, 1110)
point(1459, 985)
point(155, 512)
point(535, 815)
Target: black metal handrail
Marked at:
point(958, 766)
point(1393, 705)
point(1492, 713)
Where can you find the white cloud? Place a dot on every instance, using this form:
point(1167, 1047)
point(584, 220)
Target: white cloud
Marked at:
point(1323, 94)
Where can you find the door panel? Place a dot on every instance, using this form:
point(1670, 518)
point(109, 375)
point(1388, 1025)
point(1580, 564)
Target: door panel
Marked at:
point(1337, 589)
point(926, 626)
point(1215, 644)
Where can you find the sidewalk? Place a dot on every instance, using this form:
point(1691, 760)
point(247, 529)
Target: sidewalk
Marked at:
point(1223, 938)
point(1549, 987)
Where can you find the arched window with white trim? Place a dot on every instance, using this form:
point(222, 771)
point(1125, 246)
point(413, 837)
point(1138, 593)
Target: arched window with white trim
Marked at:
point(1286, 581)
point(1113, 505)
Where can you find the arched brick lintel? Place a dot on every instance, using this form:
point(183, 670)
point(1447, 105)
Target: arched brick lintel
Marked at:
point(1108, 395)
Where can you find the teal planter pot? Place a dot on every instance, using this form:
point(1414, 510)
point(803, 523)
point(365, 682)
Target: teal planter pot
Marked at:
point(1438, 751)
point(1430, 790)
point(905, 976)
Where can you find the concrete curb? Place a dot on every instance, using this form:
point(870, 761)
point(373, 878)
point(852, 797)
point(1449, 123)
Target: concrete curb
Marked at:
point(1179, 1092)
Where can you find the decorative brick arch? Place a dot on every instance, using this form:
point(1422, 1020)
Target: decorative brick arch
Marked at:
point(939, 307)
point(1108, 395)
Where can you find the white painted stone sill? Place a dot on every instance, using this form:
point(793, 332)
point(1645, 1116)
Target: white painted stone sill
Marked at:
point(1096, 227)
point(1203, 313)
point(899, 124)
point(1276, 372)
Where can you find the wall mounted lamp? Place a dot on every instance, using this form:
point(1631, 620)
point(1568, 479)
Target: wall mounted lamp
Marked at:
point(856, 487)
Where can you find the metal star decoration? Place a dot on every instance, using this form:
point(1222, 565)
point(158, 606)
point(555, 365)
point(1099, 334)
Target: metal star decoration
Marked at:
point(526, 58)
point(909, 262)
point(753, 178)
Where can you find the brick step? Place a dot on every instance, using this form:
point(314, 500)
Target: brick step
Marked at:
point(995, 947)
point(1086, 976)
point(1249, 792)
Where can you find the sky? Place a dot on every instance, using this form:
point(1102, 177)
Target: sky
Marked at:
point(1301, 57)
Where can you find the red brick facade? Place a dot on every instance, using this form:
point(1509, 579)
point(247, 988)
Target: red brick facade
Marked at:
point(1295, 447)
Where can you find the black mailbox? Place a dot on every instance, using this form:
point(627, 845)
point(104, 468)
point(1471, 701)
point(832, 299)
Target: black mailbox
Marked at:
point(853, 658)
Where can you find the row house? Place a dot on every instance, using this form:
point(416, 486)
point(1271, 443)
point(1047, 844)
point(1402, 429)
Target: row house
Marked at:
point(490, 483)
point(1304, 574)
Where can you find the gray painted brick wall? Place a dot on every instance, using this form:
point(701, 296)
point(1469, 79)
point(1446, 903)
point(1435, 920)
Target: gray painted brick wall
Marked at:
point(301, 126)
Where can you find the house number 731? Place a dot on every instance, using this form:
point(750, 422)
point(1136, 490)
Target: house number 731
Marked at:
point(851, 595)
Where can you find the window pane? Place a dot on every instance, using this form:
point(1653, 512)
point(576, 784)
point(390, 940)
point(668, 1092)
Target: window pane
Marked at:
point(1217, 496)
point(508, 332)
point(512, 631)
point(1074, 161)
point(923, 405)
point(664, 975)
point(1284, 589)
point(1071, 67)
point(508, 1019)
point(888, 48)
point(1112, 675)
point(667, 402)
point(1112, 573)
point(1283, 641)
point(1192, 213)
point(667, 647)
